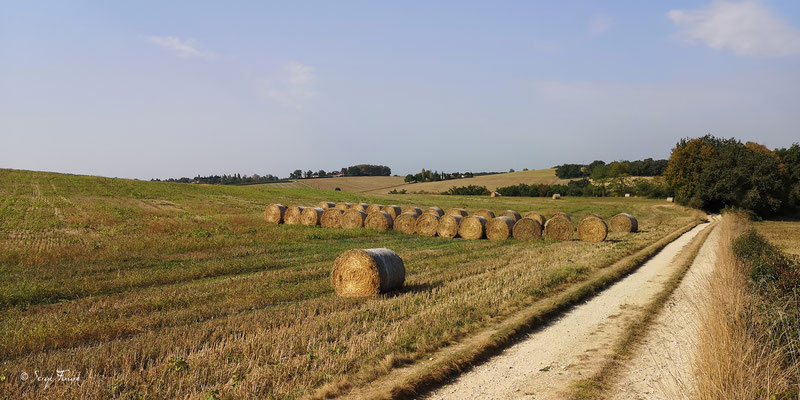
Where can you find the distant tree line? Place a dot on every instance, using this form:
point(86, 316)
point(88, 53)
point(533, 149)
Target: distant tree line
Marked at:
point(653, 188)
point(355, 170)
point(714, 173)
point(427, 175)
point(600, 170)
point(234, 179)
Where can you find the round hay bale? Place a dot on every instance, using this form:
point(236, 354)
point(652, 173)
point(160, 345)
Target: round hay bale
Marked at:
point(427, 224)
point(500, 228)
point(563, 214)
point(511, 214)
point(393, 211)
point(434, 210)
point(448, 225)
point(535, 215)
point(374, 207)
point(623, 222)
point(472, 227)
point(592, 229)
point(292, 216)
point(559, 228)
point(343, 206)
point(363, 206)
point(274, 213)
point(406, 223)
point(415, 210)
point(380, 220)
point(527, 229)
point(589, 215)
point(311, 216)
point(353, 218)
point(326, 205)
point(331, 218)
point(488, 214)
point(359, 207)
point(457, 211)
point(367, 272)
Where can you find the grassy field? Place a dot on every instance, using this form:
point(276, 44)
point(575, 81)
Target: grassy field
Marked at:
point(154, 290)
point(784, 234)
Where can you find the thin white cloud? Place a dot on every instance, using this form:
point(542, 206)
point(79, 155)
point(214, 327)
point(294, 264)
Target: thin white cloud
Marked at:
point(292, 87)
point(747, 28)
point(600, 24)
point(183, 48)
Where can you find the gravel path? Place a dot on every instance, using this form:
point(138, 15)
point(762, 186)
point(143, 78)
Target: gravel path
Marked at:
point(542, 365)
point(660, 368)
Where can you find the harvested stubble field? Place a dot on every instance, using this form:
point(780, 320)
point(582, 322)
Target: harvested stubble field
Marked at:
point(159, 290)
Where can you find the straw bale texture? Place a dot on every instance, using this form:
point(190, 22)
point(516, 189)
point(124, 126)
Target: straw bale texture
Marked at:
point(427, 224)
point(292, 216)
point(353, 218)
point(472, 227)
point(500, 228)
point(379, 220)
point(367, 272)
point(448, 225)
point(527, 229)
point(559, 227)
point(274, 213)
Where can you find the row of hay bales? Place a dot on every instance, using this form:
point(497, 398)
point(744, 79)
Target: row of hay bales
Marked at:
point(455, 222)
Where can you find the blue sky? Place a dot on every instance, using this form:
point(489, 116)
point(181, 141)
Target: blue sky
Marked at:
point(147, 89)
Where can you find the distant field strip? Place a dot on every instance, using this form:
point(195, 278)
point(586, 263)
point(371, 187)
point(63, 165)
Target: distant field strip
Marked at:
point(153, 289)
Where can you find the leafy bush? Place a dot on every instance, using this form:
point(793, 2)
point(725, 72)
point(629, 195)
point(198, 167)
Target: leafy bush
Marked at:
point(471, 190)
point(766, 262)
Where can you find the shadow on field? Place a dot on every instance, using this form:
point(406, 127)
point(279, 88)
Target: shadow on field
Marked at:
point(415, 288)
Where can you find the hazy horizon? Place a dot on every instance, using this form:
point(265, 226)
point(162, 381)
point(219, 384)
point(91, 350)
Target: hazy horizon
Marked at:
point(148, 90)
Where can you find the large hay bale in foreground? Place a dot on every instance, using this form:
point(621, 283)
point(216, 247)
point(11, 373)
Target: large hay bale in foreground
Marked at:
point(374, 207)
point(415, 210)
point(448, 225)
point(331, 218)
point(380, 220)
point(343, 206)
point(485, 213)
point(587, 216)
point(535, 215)
point(511, 214)
point(456, 211)
point(353, 218)
point(427, 224)
point(559, 227)
point(311, 216)
point(623, 222)
point(434, 210)
point(500, 228)
point(367, 272)
point(472, 227)
point(274, 213)
point(527, 229)
point(406, 223)
point(292, 216)
point(393, 211)
point(592, 229)
point(326, 205)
